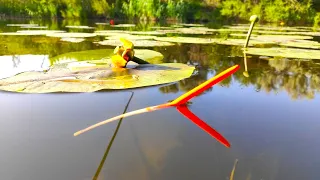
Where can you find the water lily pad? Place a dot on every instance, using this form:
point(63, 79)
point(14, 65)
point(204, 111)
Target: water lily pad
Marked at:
point(101, 55)
point(79, 27)
point(191, 25)
point(261, 27)
point(31, 32)
point(285, 52)
point(130, 37)
point(34, 27)
point(279, 38)
point(102, 23)
point(194, 40)
point(146, 32)
point(289, 33)
point(73, 40)
point(60, 79)
point(123, 25)
point(243, 35)
point(241, 42)
point(302, 44)
point(218, 30)
point(137, 43)
point(71, 35)
point(192, 31)
point(111, 33)
point(22, 25)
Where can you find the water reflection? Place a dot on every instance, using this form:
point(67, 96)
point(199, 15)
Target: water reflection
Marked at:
point(298, 78)
point(11, 65)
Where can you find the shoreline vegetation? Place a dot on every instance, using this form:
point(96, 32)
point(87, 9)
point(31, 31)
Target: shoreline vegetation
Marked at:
point(280, 12)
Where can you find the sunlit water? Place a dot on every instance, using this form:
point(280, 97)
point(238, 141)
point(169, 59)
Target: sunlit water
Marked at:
point(270, 119)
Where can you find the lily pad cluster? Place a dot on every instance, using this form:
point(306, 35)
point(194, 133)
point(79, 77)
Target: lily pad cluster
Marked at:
point(77, 72)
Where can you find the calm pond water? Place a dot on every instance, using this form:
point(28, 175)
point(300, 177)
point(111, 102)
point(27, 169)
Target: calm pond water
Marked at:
point(271, 119)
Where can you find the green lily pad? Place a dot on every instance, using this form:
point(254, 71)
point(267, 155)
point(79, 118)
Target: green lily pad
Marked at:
point(285, 52)
point(34, 27)
point(146, 32)
point(289, 33)
point(123, 25)
point(22, 25)
point(191, 25)
point(73, 40)
point(241, 42)
point(192, 31)
point(79, 27)
point(100, 55)
point(218, 30)
point(137, 43)
point(31, 32)
point(302, 44)
point(111, 33)
point(279, 38)
point(121, 32)
point(102, 23)
point(243, 35)
point(130, 37)
point(261, 27)
point(194, 40)
point(62, 79)
point(71, 35)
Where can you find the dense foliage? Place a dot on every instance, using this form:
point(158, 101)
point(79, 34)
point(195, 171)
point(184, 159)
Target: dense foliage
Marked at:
point(286, 11)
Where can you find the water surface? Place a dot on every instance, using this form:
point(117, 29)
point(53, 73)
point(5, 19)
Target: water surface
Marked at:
point(270, 118)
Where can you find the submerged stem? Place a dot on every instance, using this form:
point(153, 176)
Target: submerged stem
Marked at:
point(233, 169)
point(111, 142)
point(253, 19)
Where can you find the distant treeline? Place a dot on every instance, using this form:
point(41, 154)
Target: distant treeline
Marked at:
point(286, 11)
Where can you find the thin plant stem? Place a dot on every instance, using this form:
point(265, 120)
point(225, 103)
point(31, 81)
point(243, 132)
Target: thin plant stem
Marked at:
point(111, 142)
point(233, 169)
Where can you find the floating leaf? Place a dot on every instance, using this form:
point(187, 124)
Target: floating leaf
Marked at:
point(62, 79)
point(302, 44)
point(194, 40)
point(103, 54)
point(22, 25)
point(131, 37)
point(279, 38)
point(246, 27)
point(241, 42)
point(32, 32)
point(243, 35)
point(71, 35)
point(111, 33)
point(123, 32)
point(285, 52)
point(137, 43)
point(79, 27)
point(219, 30)
point(74, 40)
point(123, 25)
point(192, 31)
point(146, 32)
point(191, 25)
point(289, 33)
point(34, 27)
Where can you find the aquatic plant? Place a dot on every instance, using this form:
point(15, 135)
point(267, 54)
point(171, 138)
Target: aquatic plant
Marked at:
point(180, 104)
